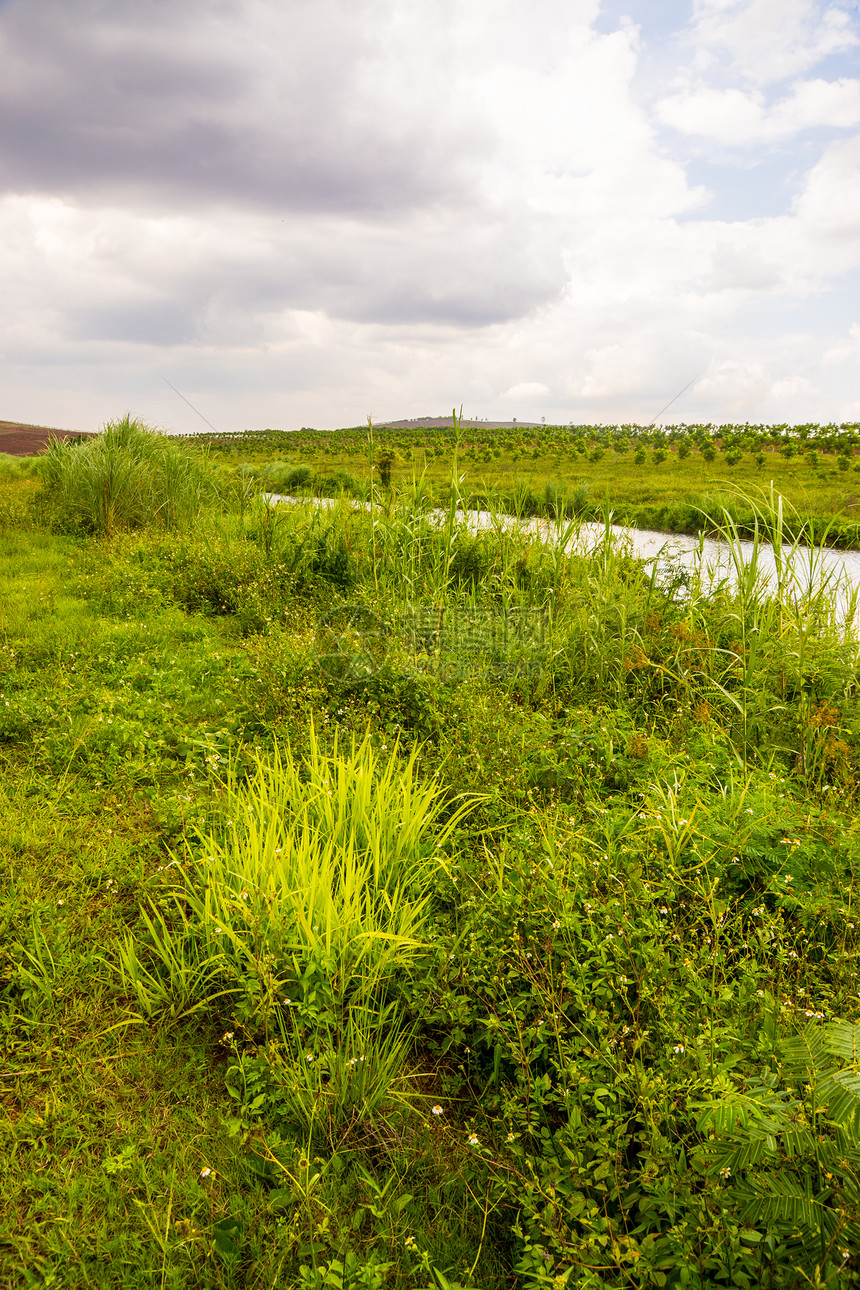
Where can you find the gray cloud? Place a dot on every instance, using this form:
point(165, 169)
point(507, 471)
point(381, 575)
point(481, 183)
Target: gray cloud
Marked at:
point(280, 106)
point(444, 271)
point(162, 322)
point(262, 157)
point(301, 210)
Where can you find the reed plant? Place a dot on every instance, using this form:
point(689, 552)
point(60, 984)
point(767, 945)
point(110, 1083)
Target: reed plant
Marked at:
point(759, 650)
point(127, 477)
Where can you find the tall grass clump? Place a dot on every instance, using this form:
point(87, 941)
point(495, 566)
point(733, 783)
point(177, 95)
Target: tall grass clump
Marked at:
point(319, 885)
point(128, 477)
point(302, 916)
point(15, 467)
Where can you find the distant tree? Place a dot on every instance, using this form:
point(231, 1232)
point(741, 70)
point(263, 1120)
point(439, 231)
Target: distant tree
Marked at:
point(384, 463)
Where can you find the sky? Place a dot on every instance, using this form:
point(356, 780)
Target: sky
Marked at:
point(285, 213)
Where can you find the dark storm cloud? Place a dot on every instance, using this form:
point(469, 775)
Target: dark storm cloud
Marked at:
point(281, 106)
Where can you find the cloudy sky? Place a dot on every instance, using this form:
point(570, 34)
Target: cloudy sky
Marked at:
point(299, 212)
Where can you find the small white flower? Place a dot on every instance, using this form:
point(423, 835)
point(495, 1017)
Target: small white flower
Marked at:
point(205, 1172)
point(678, 1048)
point(436, 1110)
point(473, 1139)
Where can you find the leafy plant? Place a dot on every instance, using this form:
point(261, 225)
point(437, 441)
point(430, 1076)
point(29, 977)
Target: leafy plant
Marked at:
point(790, 1147)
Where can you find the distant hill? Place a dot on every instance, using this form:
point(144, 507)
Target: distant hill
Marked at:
point(19, 440)
point(428, 423)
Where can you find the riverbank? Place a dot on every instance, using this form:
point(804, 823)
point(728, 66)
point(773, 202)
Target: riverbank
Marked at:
point(686, 483)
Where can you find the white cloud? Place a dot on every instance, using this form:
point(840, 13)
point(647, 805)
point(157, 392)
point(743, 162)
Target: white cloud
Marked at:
point(743, 119)
point(828, 209)
point(526, 390)
point(846, 352)
point(769, 40)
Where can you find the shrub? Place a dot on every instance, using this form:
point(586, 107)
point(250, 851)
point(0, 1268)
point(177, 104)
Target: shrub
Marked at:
point(285, 478)
point(340, 481)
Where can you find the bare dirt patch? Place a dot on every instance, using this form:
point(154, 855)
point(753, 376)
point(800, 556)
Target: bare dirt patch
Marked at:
point(25, 441)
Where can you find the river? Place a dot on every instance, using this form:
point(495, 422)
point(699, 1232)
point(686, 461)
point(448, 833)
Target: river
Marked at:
point(805, 569)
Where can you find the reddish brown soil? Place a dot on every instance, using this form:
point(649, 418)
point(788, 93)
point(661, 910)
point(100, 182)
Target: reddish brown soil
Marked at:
point(25, 441)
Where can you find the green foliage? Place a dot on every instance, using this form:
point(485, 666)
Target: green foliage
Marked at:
point(315, 896)
point(791, 1151)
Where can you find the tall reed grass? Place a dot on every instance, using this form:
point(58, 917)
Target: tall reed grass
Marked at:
point(128, 477)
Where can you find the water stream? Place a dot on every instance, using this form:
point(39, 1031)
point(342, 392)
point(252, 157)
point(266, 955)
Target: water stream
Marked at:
point(808, 567)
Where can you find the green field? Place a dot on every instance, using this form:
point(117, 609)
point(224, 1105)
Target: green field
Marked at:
point(675, 480)
point(384, 905)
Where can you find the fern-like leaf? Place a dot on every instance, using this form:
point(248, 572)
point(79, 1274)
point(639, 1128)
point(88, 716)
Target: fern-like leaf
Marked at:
point(842, 1039)
point(781, 1198)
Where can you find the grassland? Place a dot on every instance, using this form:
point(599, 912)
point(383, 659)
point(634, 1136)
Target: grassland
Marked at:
point(384, 905)
point(671, 480)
